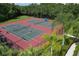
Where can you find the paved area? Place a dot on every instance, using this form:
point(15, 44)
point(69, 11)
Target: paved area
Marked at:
point(71, 50)
point(19, 34)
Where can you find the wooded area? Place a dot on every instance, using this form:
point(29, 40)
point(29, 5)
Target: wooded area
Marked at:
point(43, 10)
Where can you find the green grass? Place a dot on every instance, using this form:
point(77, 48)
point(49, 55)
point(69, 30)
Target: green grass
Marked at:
point(15, 19)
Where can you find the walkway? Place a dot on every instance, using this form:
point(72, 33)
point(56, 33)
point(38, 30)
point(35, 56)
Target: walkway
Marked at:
point(71, 50)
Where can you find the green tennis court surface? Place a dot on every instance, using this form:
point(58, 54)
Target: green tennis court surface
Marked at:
point(42, 23)
point(22, 31)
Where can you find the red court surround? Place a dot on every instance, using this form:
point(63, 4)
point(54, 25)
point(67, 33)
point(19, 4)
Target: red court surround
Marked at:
point(21, 43)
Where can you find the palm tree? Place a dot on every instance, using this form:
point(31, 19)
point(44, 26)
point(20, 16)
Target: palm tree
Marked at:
point(52, 39)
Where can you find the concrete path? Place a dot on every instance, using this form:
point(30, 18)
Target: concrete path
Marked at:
point(70, 52)
point(78, 53)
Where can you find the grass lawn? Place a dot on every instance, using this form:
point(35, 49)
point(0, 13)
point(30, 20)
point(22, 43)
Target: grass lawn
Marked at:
point(15, 19)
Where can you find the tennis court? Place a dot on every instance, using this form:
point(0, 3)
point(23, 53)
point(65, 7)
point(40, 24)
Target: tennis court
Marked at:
point(25, 32)
point(42, 23)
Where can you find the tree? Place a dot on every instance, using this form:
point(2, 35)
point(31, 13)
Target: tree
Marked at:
point(53, 44)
